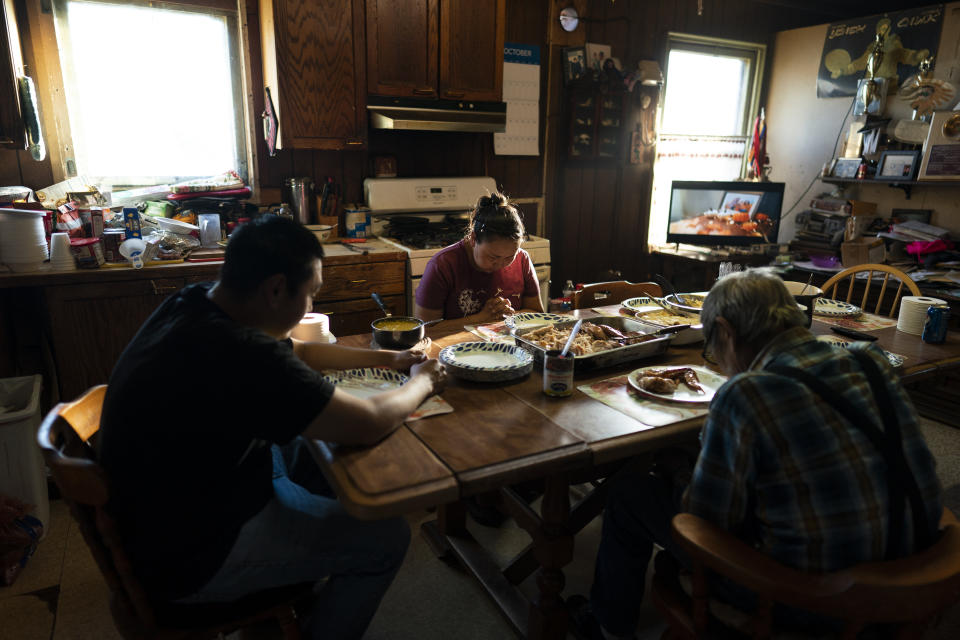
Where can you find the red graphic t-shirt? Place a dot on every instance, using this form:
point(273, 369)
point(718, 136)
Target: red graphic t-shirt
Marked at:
point(454, 285)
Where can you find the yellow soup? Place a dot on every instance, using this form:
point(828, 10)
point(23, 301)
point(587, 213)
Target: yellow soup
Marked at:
point(397, 325)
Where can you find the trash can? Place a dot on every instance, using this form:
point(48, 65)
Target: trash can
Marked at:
point(22, 472)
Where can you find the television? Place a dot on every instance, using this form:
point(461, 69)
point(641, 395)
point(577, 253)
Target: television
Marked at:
point(724, 213)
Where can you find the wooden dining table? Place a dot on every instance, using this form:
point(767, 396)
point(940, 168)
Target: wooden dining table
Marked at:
point(502, 434)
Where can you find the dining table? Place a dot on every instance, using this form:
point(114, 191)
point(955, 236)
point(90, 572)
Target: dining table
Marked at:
point(500, 434)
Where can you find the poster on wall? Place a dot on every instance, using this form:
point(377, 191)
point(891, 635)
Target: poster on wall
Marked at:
point(909, 37)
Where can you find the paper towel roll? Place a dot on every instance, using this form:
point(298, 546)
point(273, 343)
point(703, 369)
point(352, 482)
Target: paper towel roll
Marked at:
point(913, 313)
point(314, 327)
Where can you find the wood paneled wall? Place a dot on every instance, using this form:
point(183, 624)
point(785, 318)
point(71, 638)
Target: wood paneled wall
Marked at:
point(597, 215)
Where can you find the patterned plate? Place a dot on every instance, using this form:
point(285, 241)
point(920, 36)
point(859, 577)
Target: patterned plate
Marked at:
point(486, 361)
point(894, 360)
point(709, 380)
point(639, 304)
point(363, 383)
point(529, 319)
point(834, 308)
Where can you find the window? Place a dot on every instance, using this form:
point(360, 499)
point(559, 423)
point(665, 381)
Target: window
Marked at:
point(711, 93)
point(153, 90)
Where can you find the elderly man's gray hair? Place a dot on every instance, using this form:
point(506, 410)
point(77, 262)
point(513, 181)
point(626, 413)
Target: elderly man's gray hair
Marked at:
point(755, 302)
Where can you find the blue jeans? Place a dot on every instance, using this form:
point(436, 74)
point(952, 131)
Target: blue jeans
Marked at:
point(303, 535)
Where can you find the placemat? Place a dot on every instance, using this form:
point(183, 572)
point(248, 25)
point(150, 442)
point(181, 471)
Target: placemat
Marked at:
point(432, 406)
point(496, 332)
point(862, 322)
point(618, 394)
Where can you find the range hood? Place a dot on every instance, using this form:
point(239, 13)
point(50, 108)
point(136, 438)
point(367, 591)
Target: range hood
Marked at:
point(437, 115)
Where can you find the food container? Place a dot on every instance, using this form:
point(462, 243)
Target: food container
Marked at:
point(112, 238)
point(322, 231)
point(87, 252)
point(692, 334)
point(607, 358)
point(356, 222)
point(692, 302)
point(397, 332)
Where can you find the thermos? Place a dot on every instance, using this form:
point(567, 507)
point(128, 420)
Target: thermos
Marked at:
point(299, 193)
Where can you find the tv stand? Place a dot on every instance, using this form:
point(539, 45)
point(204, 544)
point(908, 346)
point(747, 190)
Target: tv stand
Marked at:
point(694, 268)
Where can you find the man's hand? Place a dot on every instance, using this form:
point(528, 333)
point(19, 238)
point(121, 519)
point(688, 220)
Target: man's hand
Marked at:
point(496, 308)
point(403, 360)
point(435, 372)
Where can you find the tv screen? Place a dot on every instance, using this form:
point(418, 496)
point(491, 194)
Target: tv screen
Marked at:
point(725, 213)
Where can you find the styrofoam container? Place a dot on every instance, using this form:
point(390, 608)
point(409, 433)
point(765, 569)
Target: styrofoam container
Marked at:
point(22, 475)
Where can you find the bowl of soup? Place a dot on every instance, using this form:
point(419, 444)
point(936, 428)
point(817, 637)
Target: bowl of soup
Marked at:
point(397, 332)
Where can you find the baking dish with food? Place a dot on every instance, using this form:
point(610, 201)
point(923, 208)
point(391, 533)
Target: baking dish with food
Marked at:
point(656, 319)
point(652, 346)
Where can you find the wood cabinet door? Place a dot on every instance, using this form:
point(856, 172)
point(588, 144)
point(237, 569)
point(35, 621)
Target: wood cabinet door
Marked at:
point(353, 317)
point(402, 47)
point(314, 64)
point(471, 49)
point(91, 324)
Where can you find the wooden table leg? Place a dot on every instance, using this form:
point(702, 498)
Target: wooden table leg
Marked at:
point(451, 521)
point(554, 550)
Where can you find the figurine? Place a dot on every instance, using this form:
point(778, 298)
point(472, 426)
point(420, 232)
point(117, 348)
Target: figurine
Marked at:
point(924, 92)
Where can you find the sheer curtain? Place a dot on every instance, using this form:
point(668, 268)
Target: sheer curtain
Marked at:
point(682, 157)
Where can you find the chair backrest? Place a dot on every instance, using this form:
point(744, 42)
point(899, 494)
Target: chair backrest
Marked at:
point(64, 438)
point(907, 593)
point(830, 286)
point(613, 292)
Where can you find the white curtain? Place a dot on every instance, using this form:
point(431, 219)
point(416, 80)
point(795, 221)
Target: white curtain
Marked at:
point(690, 158)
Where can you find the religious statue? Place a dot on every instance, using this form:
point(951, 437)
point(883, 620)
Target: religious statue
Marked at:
point(924, 92)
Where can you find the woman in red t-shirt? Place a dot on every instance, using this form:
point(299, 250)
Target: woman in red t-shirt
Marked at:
point(485, 276)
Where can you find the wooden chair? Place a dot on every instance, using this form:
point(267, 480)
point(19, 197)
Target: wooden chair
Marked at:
point(830, 286)
point(906, 594)
point(613, 292)
point(64, 437)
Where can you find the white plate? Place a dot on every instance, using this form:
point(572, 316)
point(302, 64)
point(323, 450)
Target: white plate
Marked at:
point(529, 319)
point(487, 361)
point(176, 226)
point(834, 308)
point(363, 383)
point(709, 380)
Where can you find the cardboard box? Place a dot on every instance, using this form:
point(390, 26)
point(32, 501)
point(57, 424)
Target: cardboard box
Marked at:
point(861, 208)
point(862, 251)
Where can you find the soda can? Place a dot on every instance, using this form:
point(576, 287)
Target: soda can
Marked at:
point(935, 326)
point(557, 374)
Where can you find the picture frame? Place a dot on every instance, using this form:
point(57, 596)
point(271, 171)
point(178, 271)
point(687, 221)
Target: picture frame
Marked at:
point(845, 168)
point(574, 63)
point(941, 151)
point(596, 54)
point(898, 166)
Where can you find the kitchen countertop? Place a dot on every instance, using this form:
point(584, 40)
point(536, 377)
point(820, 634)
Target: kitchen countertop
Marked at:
point(336, 254)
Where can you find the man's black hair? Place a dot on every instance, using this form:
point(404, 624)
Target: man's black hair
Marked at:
point(266, 246)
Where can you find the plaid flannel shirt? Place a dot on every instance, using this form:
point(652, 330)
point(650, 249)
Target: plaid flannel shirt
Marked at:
point(782, 469)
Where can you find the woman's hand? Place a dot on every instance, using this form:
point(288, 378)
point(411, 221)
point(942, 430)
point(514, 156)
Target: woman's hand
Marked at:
point(496, 308)
point(403, 360)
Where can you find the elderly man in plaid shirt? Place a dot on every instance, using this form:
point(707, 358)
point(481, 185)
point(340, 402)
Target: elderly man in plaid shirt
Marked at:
point(809, 452)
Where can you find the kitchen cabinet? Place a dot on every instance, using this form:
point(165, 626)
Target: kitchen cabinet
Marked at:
point(448, 49)
point(348, 281)
point(314, 65)
point(12, 134)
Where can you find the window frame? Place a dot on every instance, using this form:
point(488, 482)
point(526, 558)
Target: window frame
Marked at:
point(49, 41)
point(753, 52)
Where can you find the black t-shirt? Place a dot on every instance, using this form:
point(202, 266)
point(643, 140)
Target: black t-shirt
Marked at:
point(191, 410)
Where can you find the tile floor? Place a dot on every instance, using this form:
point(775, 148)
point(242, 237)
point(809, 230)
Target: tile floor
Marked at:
point(61, 596)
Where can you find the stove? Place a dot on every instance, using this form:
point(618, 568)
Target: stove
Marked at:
point(420, 216)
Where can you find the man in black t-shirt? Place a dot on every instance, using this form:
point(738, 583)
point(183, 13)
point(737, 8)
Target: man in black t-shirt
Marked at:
point(200, 439)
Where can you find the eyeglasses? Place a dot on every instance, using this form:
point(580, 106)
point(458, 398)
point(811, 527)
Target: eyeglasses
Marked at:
point(707, 353)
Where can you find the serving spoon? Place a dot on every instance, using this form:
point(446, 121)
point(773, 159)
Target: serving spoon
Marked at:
point(666, 284)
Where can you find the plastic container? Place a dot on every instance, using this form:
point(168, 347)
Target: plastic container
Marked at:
point(209, 230)
point(22, 473)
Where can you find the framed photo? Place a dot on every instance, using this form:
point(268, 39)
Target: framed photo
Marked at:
point(846, 167)
point(898, 165)
point(597, 54)
point(574, 63)
point(941, 151)
point(741, 201)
